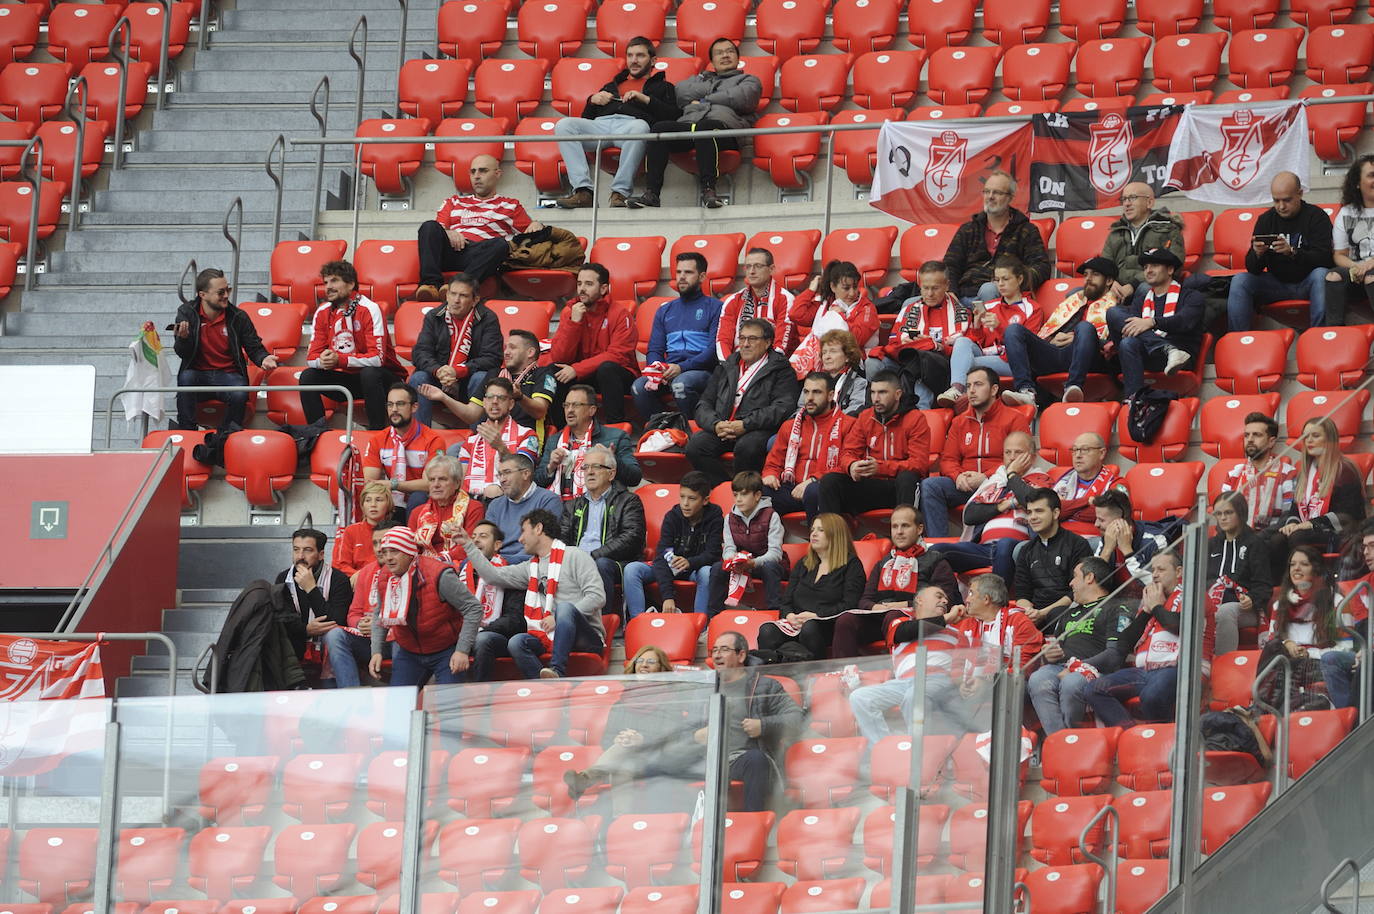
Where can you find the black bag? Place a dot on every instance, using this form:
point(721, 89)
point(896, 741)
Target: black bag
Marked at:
point(305, 436)
point(1148, 408)
point(667, 421)
point(211, 451)
point(1235, 730)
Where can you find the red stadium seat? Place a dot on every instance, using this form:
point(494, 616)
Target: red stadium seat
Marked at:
point(224, 862)
point(1078, 762)
point(391, 165)
point(472, 29)
point(617, 21)
point(80, 33)
point(765, 67)
point(1163, 489)
point(722, 253)
point(794, 251)
point(823, 772)
point(1263, 57)
point(1226, 810)
point(861, 26)
point(1216, 476)
point(1111, 67)
point(188, 906)
point(454, 159)
point(644, 321)
point(1033, 72)
point(1022, 109)
point(555, 852)
point(278, 325)
point(262, 463)
point(667, 899)
point(147, 862)
point(921, 243)
point(1333, 127)
point(1331, 358)
point(1223, 421)
point(636, 263)
point(574, 79)
point(527, 713)
point(944, 112)
point(1080, 239)
point(234, 790)
point(856, 151)
point(379, 854)
point(1245, 96)
point(601, 900)
point(823, 895)
point(1009, 22)
point(868, 249)
point(1169, 442)
point(1314, 14)
point(311, 859)
point(786, 28)
point(1313, 735)
point(878, 831)
point(194, 473)
point(886, 79)
point(1235, 16)
point(1231, 234)
point(348, 904)
point(744, 620)
point(788, 157)
point(510, 89)
point(934, 24)
point(485, 782)
point(812, 82)
point(386, 781)
point(746, 839)
point(523, 902)
point(700, 22)
point(658, 501)
point(265, 905)
point(1106, 103)
point(1345, 408)
point(751, 897)
point(433, 89)
point(1056, 825)
point(968, 831)
point(475, 853)
point(295, 268)
point(33, 91)
point(1160, 18)
point(102, 90)
point(18, 31)
point(320, 788)
point(284, 406)
point(1089, 20)
point(1144, 823)
point(587, 710)
point(640, 845)
point(59, 148)
point(961, 76)
point(146, 22)
point(1233, 675)
point(828, 701)
point(387, 271)
point(1187, 63)
point(1144, 754)
point(675, 633)
point(552, 29)
point(533, 316)
point(929, 890)
point(1065, 889)
point(890, 763)
point(1139, 884)
point(870, 552)
point(1061, 423)
point(11, 156)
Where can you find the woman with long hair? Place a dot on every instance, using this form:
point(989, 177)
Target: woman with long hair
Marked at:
point(1352, 237)
point(842, 359)
point(1303, 625)
point(1239, 569)
point(1329, 499)
point(828, 580)
point(839, 290)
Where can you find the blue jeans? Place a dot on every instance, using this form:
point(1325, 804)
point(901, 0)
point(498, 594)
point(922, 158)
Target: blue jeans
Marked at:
point(964, 557)
point(346, 652)
point(967, 355)
point(686, 389)
point(1136, 353)
point(235, 404)
point(467, 387)
point(1029, 356)
point(1251, 290)
point(785, 503)
point(1058, 702)
point(575, 158)
point(870, 703)
point(986, 292)
point(1338, 671)
point(413, 669)
point(639, 575)
point(938, 495)
point(571, 632)
point(1108, 696)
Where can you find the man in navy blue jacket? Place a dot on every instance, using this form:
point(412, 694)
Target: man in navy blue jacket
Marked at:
point(1162, 326)
point(689, 544)
point(682, 341)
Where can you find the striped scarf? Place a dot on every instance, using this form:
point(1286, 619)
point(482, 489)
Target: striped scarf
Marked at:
point(538, 606)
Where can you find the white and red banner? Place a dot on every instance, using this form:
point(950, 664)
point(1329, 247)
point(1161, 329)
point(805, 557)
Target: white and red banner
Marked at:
point(1228, 154)
point(31, 669)
point(933, 172)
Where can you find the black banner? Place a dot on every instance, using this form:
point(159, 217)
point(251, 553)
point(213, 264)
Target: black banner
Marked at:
point(1082, 160)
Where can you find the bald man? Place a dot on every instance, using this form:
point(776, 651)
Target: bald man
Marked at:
point(470, 232)
point(1289, 256)
point(1140, 228)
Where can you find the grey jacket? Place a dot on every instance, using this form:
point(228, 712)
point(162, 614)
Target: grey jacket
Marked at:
point(579, 582)
point(732, 99)
point(1124, 245)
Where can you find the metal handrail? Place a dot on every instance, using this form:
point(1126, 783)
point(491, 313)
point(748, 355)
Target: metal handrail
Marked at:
point(81, 599)
point(207, 659)
point(121, 57)
point(78, 86)
point(361, 61)
point(162, 57)
point(191, 270)
point(279, 179)
point(400, 53)
point(233, 239)
point(1329, 884)
point(233, 388)
point(204, 35)
point(35, 179)
point(1109, 862)
point(358, 193)
point(1281, 752)
point(323, 121)
point(116, 636)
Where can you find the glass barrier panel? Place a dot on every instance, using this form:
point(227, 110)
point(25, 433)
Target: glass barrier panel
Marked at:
point(52, 763)
point(259, 797)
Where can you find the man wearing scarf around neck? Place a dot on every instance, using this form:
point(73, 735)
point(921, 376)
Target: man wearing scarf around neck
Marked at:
point(561, 466)
point(399, 455)
point(1161, 329)
point(496, 437)
point(808, 447)
point(458, 346)
point(318, 591)
point(761, 298)
point(1090, 477)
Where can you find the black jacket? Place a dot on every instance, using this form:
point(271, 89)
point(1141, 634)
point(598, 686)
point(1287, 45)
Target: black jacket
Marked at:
point(1184, 329)
point(433, 345)
point(1309, 232)
point(662, 104)
point(931, 568)
point(622, 533)
point(335, 609)
point(700, 544)
point(1043, 569)
point(827, 597)
point(970, 262)
point(256, 648)
point(769, 401)
point(243, 337)
point(1246, 562)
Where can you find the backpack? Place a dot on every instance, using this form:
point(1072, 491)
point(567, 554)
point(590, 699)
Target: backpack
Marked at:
point(1148, 408)
point(1235, 730)
point(665, 432)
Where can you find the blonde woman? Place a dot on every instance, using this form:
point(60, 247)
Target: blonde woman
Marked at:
point(353, 545)
point(1329, 499)
point(842, 359)
point(828, 580)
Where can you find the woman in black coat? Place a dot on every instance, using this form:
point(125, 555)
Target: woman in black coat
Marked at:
point(1238, 562)
point(827, 581)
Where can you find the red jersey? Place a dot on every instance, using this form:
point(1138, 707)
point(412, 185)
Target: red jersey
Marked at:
point(483, 218)
point(213, 354)
point(357, 332)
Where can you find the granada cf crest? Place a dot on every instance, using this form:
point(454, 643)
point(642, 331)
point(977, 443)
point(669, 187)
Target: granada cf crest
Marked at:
point(1239, 161)
point(1109, 154)
point(945, 170)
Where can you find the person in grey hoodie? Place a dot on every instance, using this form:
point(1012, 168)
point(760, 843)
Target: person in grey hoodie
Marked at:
point(721, 97)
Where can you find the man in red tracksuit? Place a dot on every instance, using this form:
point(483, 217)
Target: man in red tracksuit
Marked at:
point(885, 456)
point(808, 447)
point(595, 343)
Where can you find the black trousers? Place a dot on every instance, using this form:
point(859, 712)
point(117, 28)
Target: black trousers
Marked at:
point(1339, 293)
point(815, 637)
point(707, 150)
point(479, 259)
point(842, 495)
point(705, 452)
point(612, 381)
point(369, 385)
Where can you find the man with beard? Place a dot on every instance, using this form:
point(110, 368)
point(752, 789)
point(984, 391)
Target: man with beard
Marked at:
point(884, 457)
point(595, 342)
point(457, 346)
point(998, 229)
point(496, 437)
point(680, 353)
point(400, 454)
point(1267, 480)
point(534, 386)
point(1045, 563)
point(761, 297)
point(214, 339)
point(319, 592)
point(1161, 328)
point(519, 496)
point(561, 466)
point(808, 447)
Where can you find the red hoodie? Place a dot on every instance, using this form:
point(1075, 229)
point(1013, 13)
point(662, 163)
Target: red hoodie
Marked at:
point(900, 444)
point(606, 333)
point(975, 444)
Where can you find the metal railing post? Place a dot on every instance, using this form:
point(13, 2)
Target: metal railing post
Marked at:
point(119, 52)
point(1329, 885)
point(1281, 737)
point(108, 820)
point(162, 57)
point(596, 194)
point(35, 179)
point(78, 86)
point(1008, 697)
point(203, 38)
point(191, 270)
point(829, 180)
point(233, 241)
point(401, 51)
point(717, 777)
point(414, 822)
point(323, 121)
point(359, 191)
point(1186, 821)
point(1108, 863)
point(906, 832)
point(279, 179)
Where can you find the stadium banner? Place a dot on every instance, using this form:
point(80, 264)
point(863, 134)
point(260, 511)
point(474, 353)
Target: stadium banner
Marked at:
point(1228, 154)
point(932, 172)
point(1083, 160)
point(31, 669)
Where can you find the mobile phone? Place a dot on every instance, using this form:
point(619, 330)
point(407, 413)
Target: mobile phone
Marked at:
point(1267, 239)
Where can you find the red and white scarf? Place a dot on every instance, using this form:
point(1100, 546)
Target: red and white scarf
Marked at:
point(571, 480)
point(459, 339)
point(345, 328)
point(400, 460)
point(429, 527)
point(1010, 524)
point(992, 640)
point(1071, 487)
point(746, 377)
point(395, 601)
point(653, 375)
point(539, 607)
point(832, 446)
point(1313, 503)
point(938, 644)
point(483, 458)
point(1147, 308)
point(899, 569)
point(1158, 647)
point(489, 595)
point(739, 577)
point(1267, 489)
point(916, 320)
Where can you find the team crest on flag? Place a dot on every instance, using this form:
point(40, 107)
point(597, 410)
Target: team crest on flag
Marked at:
point(945, 169)
point(1240, 158)
point(1229, 154)
point(1109, 154)
point(32, 669)
point(931, 172)
point(1084, 159)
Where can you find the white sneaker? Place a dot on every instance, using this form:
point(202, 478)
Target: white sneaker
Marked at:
point(1073, 394)
point(1019, 397)
point(1175, 360)
point(949, 397)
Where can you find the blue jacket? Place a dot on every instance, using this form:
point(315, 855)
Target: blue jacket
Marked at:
point(684, 332)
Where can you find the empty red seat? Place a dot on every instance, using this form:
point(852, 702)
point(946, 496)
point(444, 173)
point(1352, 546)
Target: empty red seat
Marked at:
point(1112, 66)
point(1245, 96)
point(11, 156)
point(811, 82)
point(1258, 58)
point(1177, 98)
point(1089, 20)
point(378, 854)
point(18, 31)
point(861, 26)
point(16, 202)
point(1345, 408)
point(1233, 675)
point(640, 846)
point(522, 902)
point(1061, 423)
point(510, 89)
point(320, 788)
point(1056, 825)
point(102, 90)
point(822, 895)
point(59, 148)
point(265, 906)
point(1226, 810)
point(1012, 22)
point(261, 462)
point(1312, 734)
point(33, 91)
point(226, 861)
point(552, 29)
point(585, 900)
point(472, 29)
point(1034, 72)
point(1187, 63)
point(527, 713)
point(1223, 421)
point(311, 859)
point(387, 271)
point(816, 843)
point(1160, 490)
point(433, 89)
point(485, 782)
point(80, 33)
point(890, 763)
point(1079, 239)
point(1106, 103)
point(454, 159)
point(1331, 358)
point(794, 251)
point(186, 906)
point(1236, 16)
point(786, 28)
point(1333, 127)
point(234, 789)
point(1313, 14)
point(1160, 18)
point(868, 249)
point(676, 634)
point(968, 834)
point(1144, 758)
point(574, 79)
point(879, 827)
point(788, 157)
point(751, 897)
point(1168, 443)
point(386, 781)
point(823, 772)
point(636, 263)
point(746, 843)
point(1139, 884)
point(667, 899)
point(541, 161)
point(476, 853)
point(886, 79)
point(961, 76)
point(147, 862)
point(1144, 823)
point(1252, 361)
point(856, 151)
point(1064, 889)
point(617, 21)
point(555, 852)
point(1079, 761)
point(700, 22)
point(390, 165)
point(145, 20)
point(1231, 235)
point(194, 473)
point(934, 24)
point(295, 268)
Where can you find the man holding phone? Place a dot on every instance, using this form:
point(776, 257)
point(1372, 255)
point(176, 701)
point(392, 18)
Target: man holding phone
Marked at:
point(1289, 256)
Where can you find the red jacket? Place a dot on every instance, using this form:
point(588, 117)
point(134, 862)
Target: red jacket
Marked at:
point(434, 625)
point(606, 333)
point(900, 444)
point(976, 444)
point(862, 320)
point(361, 340)
point(365, 593)
point(813, 456)
point(353, 548)
point(1022, 312)
point(1017, 624)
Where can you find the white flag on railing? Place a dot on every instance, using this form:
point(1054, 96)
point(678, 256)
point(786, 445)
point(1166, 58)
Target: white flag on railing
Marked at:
point(1228, 154)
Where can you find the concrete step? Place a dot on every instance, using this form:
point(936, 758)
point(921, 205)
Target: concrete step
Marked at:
point(144, 201)
point(295, 157)
point(207, 595)
point(294, 94)
point(343, 77)
point(299, 177)
point(195, 218)
point(167, 280)
point(142, 262)
point(189, 645)
point(208, 618)
point(153, 685)
point(324, 57)
point(75, 343)
point(289, 119)
point(40, 299)
point(339, 6)
point(143, 238)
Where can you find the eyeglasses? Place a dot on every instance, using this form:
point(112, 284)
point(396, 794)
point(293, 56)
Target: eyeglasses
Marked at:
point(569, 404)
point(1086, 450)
point(752, 338)
point(597, 466)
point(1133, 198)
point(725, 650)
point(398, 405)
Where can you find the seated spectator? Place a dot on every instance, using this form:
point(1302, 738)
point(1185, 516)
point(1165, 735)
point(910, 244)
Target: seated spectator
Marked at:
point(534, 386)
point(595, 342)
point(807, 447)
point(320, 593)
point(1073, 636)
point(928, 325)
point(984, 343)
point(842, 359)
point(350, 346)
point(423, 607)
point(563, 599)
point(1090, 476)
point(606, 521)
point(470, 232)
point(970, 256)
point(892, 586)
point(496, 437)
point(1071, 340)
point(688, 546)
point(1239, 569)
point(762, 297)
point(1128, 545)
point(519, 496)
point(1267, 479)
point(561, 465)
point(215, 340)
point(400, 454)
point(971, 450)
point(988, 638)
point(1289, 257)
point(636, 97)
point(1304, 626)
point(884, 458)
point(503, 609)
point(353, 544)
point(1338, 665)
point(349, 647)
point(680, 354)
point(751, 547)
point(748, 398)
point(995, 516)
point(827, 581)
point(458, 346)
point(1161, 328)
point(1353, 240)
point(722, 97)
point(448, 510)
point(1153, 636)
point(835, 300)
point(1329, 498)
point(1140, 228)
point(1045, 563)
